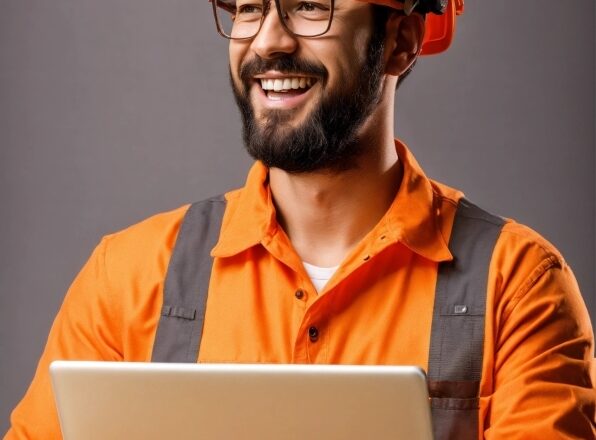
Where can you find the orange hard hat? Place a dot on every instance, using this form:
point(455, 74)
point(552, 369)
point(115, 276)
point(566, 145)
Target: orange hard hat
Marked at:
point(439, 27)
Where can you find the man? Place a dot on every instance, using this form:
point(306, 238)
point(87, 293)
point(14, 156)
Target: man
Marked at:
point(335, 250)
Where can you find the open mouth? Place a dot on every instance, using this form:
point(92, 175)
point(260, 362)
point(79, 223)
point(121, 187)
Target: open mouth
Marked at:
point(283, 88)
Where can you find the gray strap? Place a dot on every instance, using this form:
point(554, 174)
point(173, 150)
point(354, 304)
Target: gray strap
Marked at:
point(457, 334)
point(187, 281)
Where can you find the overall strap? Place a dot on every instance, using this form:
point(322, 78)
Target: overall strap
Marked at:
point(457, 334)
point(180, 325)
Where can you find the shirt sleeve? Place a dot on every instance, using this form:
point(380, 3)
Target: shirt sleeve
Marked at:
point(85, 328)
point(543, 352)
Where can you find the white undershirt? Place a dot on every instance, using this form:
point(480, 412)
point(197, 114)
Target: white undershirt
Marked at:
point(319, 275)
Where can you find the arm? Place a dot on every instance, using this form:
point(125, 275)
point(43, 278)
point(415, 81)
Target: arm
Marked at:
point(543, 351)
point(86, 328)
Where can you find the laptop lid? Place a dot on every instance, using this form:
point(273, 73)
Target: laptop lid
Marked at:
point(121, 400)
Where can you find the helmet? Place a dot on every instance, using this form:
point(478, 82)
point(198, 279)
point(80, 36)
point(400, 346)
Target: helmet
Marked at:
point(440, 20)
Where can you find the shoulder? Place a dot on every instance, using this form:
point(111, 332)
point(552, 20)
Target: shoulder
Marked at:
point(516, 244)
point(528, 271)
point(141, 251)
point(522, 255)
point(149, 243)
point(519, 238)
point(149, 235)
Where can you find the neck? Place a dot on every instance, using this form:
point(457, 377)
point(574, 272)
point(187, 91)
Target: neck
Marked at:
point(326, 213)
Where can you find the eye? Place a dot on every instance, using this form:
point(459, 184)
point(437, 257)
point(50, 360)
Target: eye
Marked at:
point(311, 7)
point(249, 9)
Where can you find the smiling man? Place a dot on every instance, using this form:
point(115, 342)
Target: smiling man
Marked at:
point(304, 102)
point(338, 249)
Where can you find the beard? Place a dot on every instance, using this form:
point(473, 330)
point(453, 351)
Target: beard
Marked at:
point(328, 138)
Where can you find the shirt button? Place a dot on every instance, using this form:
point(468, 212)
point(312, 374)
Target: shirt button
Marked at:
point(313, 334)
point(299, 294)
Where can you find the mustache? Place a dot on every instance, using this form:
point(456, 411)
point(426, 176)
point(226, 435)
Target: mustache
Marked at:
point(285, 64)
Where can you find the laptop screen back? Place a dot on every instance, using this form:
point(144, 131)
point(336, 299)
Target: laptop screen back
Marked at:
point(119, 400)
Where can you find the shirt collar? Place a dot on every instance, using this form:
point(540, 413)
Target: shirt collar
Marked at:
point(413, 217)
point(415, 213)
point(249, 218)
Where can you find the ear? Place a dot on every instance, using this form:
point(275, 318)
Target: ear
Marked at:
point(403, 42)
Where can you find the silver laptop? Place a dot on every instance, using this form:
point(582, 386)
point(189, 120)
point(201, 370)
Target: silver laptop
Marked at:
point(121, 400)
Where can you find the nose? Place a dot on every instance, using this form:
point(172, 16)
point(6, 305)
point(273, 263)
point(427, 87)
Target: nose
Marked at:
point(273, 40)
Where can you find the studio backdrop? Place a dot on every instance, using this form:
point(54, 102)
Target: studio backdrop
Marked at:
point(113, 110)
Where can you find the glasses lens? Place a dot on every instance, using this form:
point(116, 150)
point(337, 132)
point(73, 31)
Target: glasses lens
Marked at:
point(239, 18)
point(242, 18)
point(306, 18)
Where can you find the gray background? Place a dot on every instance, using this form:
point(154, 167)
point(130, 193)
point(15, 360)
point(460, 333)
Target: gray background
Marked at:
point(113, 110)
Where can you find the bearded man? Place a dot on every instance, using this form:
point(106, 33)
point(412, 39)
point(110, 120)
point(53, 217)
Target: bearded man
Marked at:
point(338, 250)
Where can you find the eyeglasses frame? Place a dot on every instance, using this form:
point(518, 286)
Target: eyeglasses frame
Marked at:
point(263, 15)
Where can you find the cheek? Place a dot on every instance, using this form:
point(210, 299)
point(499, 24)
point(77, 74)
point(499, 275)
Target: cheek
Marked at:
point(346, 44)
point(343, 50)
point(358, 46)
point(235, 52)
point(343, 61)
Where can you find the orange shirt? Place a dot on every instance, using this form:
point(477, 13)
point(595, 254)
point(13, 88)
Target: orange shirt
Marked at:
point(376, 309)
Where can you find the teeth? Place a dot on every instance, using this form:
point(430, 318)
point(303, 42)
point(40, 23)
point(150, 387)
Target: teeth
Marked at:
point(280, 84)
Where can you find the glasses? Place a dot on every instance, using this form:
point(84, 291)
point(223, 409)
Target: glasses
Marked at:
point(242, 19)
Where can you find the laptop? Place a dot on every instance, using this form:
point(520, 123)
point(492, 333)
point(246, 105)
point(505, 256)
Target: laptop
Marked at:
point(124, 400)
